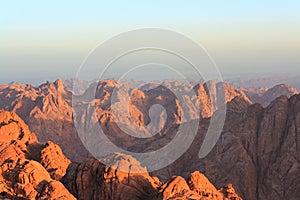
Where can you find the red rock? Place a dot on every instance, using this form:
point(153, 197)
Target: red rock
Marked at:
point(257, 151)
point(54, 160)
point(21, 174)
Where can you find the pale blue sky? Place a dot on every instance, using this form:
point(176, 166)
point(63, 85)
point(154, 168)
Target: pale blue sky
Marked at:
point(42, 41)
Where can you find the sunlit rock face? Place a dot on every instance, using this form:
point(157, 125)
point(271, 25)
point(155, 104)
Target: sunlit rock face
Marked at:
point(25, 171)
point(30, 170)
point(257, 151)
point(47, 109)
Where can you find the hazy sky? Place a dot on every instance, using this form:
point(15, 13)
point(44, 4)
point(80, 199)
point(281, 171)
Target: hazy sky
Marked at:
point(42, 41)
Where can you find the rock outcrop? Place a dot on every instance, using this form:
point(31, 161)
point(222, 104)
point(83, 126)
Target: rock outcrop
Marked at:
point(54, 161)
point(30, 170)
point(21, 173)
point(94, 180)
point(197, 187)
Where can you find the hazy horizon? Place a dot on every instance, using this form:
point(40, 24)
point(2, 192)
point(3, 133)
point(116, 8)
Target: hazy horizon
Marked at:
point(43, 41)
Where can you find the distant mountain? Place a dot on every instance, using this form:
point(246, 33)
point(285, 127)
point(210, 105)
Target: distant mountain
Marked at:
point(265, 96)
point(81, 85)
point(265, 82)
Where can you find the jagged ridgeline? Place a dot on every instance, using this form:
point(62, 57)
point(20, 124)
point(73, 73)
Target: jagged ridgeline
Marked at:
point(258, 151)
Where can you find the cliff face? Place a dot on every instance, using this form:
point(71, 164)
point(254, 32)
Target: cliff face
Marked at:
point(30, 170)
point(251, 153)
point(48, 112)
point(47, 109)
point(258, 150)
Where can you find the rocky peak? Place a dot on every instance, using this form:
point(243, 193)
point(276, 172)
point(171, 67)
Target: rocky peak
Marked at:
point(211, 96)
point(265, 96)
point(196, 187)
point(21, 174)
point(12, 128)
point(93, 180)
point(59, 85)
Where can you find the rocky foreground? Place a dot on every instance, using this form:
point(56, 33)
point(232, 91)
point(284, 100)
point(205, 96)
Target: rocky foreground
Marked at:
point(31, 170)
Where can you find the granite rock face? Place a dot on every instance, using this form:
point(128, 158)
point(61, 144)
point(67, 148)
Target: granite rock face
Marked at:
point(48, 112)
point(54, 161)
point(47, 109)
point(30, 170)
point(258, 151)
point(196, 187)
point(21, 173)
point(94, 180)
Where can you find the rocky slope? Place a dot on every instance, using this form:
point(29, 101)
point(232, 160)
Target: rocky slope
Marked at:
point(257, 152)
point(250, 152)
point(30, 170)
point(47, 109)
point(48, 112)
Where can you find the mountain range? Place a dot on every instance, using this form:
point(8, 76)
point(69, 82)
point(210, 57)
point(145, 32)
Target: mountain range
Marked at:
point(31, 170)
point(257, 152)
